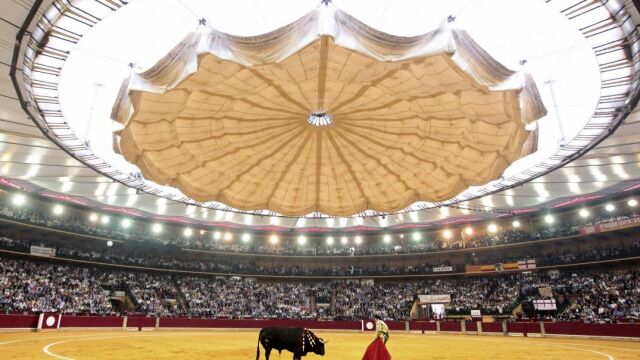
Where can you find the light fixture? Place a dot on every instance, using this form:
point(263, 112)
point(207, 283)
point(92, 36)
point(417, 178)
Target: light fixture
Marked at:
point(93, 217)
point(273, 239)
point(125, 223)
point(187, 232)
point(386, 238)
point(609, 207)
point(58, 209)
point(632, 202)
point(109, 243)
point(246, 237)
point(302, 240)
point(416, 236)
point(515, 224)
point(217, 235)
point(401, 236)
point(584, 213)
point(201, 232)
point(468, 230)
point(19, 199)
point(105, 219)
point(228, 236)
point(344, 240)
point(492, 228)
point(447, 234)
point(330, 240)
point(156, 228)
point(548, 219)
point(357, 240)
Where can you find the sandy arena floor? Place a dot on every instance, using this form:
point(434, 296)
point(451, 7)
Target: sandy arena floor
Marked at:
point(342, 345)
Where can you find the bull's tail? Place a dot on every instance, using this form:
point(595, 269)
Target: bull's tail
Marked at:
point(258, 347)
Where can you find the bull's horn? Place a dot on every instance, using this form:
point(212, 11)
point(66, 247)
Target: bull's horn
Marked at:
point(322, 340)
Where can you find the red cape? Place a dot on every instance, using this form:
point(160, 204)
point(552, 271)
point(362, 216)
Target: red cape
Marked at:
point(377, 351)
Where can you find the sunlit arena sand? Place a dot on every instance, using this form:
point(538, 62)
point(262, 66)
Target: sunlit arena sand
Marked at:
point(342, 345)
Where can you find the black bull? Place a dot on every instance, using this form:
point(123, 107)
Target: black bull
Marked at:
point(299, 341)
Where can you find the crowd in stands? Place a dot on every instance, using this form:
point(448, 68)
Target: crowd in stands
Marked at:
point(194, 261)
point(77, 222)
point(37, 286)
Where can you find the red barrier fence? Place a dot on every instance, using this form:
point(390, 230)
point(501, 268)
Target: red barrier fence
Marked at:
point(568, 328)
point(18, 321)
point(450, 326)
point(15, 321)
point(69, 321)
point(492, 327)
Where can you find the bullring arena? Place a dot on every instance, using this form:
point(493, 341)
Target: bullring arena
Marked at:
point(345, 345)
point(320, 179)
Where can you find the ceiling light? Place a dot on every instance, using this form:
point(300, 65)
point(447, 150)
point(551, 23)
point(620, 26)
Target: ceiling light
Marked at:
point(632, 202)
point(609, 207)
point(386, 238)
point(515, 224)
point(228, 236)
point(201, 232)
point(416, 236)
point(19, 199)
point(187, 232)
point(492, 228)
point(105, 219)
point(447, 234)
point(357, 240)
point(246, 238)
point(401, 236)
point(93, 217)
point(125, 223)
point(156, 228)
point(468, 230)
point(273, 239)
point(549, 219)
point(109, 243)
point(344, 240)
point(330, 240)
point(584, 213)
point(58, 209)
point(302, 240)
point(217, 235)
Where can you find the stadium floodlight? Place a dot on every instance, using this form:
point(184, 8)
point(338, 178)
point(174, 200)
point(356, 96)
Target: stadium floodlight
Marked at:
point(187, 232)
point(584, 213)
point(416, 236)
point(302, 240)
point(105, 219)
point(19, 199)
point(609, 207)
point(246, 237)
point(228, 236)
point(344, 240)
point(330, 240)
point(109, 243)
point(515, 224)
point(549, 219)
point(201, 232)
point(632, 202)
point(357, 240)
point(217, 235)
point(58, 209)
point(492, 228)
point(447, 234)
point(93, 217)
point(125, 223)
point(273, 239)
point(386, 238)
point(156, 228)
point(468, 230)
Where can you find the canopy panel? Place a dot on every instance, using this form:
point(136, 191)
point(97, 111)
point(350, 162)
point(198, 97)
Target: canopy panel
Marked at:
point(326, 115)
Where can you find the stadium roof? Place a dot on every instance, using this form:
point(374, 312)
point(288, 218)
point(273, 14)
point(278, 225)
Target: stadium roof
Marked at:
point(586, 79)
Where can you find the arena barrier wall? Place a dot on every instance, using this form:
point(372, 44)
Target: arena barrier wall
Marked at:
point(12, 322)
